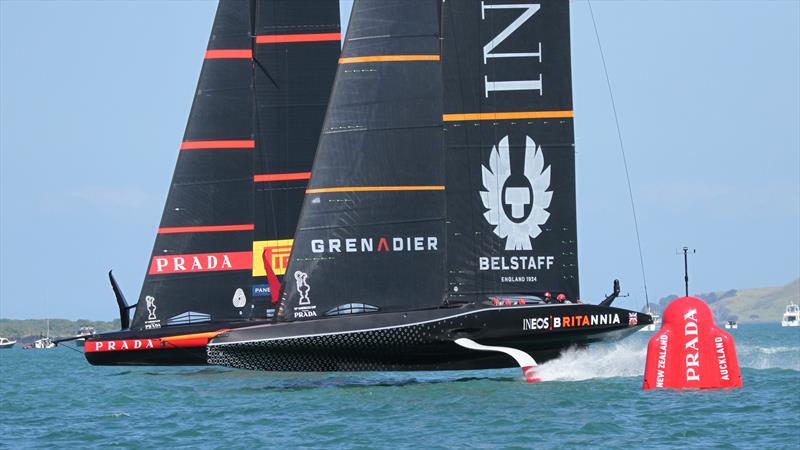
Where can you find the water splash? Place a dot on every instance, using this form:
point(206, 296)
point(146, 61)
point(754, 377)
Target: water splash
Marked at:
point(622, 359)
point(627, 359)
point(764, 357)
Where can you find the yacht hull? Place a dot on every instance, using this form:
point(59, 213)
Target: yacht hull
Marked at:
point(173, 346)
point(421, 340)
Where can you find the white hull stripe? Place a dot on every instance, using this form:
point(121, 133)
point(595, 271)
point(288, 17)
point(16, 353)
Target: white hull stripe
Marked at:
point(523, 359)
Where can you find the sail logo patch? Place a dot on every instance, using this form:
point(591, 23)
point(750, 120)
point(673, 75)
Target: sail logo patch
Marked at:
point(304, 309)
point(376, 245)
point(152, 321)
point(261, 290)
point(516, 199)
point(526, 13)
point(278, 252)
point(205, 262)
point(239, 299)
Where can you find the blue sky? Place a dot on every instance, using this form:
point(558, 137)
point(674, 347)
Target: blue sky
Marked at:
point(94, 98)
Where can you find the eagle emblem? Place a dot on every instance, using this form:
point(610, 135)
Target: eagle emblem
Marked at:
point(517, 200)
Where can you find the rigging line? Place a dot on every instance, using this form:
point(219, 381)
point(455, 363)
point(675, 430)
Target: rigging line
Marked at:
point(69, 347)
point(622, 150)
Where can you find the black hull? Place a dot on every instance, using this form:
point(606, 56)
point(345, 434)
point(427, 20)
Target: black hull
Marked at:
point(162, 353)
point(192, 356)
point(422, 340)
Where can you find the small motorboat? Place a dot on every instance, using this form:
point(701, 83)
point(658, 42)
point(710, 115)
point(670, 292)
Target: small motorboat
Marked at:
point(83, 333)
point(6, 343)
point(731, 325)
point(791, 318)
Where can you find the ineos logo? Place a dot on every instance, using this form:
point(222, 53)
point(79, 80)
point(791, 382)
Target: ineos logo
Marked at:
point(536, 323)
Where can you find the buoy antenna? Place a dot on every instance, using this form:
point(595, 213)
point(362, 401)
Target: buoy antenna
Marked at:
point(686, 251)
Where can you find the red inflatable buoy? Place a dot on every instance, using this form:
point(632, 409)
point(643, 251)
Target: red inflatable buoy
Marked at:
point(690, 352)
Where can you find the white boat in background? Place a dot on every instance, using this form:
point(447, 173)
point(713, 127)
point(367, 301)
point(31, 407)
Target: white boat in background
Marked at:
point(44, 342)
point(84, 332)
point(791, 318)
point(731, 325)
point(656, 320)
point(6, 343)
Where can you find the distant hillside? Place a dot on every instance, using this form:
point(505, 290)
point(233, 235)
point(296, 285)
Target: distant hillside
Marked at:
point(747, 305)
point(58, 327)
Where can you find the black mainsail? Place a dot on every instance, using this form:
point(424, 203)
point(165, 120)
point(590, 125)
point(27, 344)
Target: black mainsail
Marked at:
point(442, 201)
point(239, 180)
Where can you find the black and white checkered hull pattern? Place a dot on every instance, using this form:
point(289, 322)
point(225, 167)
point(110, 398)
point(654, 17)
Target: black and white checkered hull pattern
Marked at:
point(418, 340)
point(395, 348)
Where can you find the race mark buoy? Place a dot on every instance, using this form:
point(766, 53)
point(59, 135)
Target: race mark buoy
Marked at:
point(690, 352)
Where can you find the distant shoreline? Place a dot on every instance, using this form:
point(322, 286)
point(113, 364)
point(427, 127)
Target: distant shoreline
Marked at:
point(28, 330)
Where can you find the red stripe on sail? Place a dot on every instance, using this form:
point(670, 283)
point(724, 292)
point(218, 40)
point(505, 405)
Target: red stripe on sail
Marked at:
point(195, 145)
point(282, 177)
point(229, 54)
point(308, 37)
point(201, 262)
point(206, 229)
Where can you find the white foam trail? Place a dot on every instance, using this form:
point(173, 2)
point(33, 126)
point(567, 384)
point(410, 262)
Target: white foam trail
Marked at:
point(758, 357)
point(621, 359)
point(627, 359)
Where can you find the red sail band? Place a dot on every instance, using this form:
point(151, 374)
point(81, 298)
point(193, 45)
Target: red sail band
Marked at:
point(282, 177)
point(200, 145)
point(229, 54)
point(206, 229)
point(308, 37)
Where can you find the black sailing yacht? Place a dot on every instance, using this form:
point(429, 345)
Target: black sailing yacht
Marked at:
point(239, 182)
point(438, 227)
point(438, 230)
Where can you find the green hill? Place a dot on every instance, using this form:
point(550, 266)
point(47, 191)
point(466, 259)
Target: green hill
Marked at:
point(58, 327)
point(748, 305)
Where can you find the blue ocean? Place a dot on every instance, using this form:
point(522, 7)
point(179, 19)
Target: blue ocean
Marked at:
point(590, 398)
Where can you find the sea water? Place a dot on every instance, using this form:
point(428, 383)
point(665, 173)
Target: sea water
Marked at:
point(589, 398)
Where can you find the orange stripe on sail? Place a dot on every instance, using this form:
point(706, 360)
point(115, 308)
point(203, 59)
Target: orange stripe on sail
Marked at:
point(308, 37)
point(374, 189)
point(206, 229)
point(196, 145)
point(388, 58)
point(229, 54)
point(282, 177)
point(508, 115)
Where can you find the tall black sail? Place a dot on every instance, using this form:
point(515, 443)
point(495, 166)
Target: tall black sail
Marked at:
point(240, 171)
point(446, 166)
point(297, 48)
point(372, 227)
point(509, 144)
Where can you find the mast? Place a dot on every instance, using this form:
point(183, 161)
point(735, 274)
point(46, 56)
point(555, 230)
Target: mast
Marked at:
point(445, 171)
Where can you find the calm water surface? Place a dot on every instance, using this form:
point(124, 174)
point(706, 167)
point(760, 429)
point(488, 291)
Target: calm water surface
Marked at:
point(590, 398)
